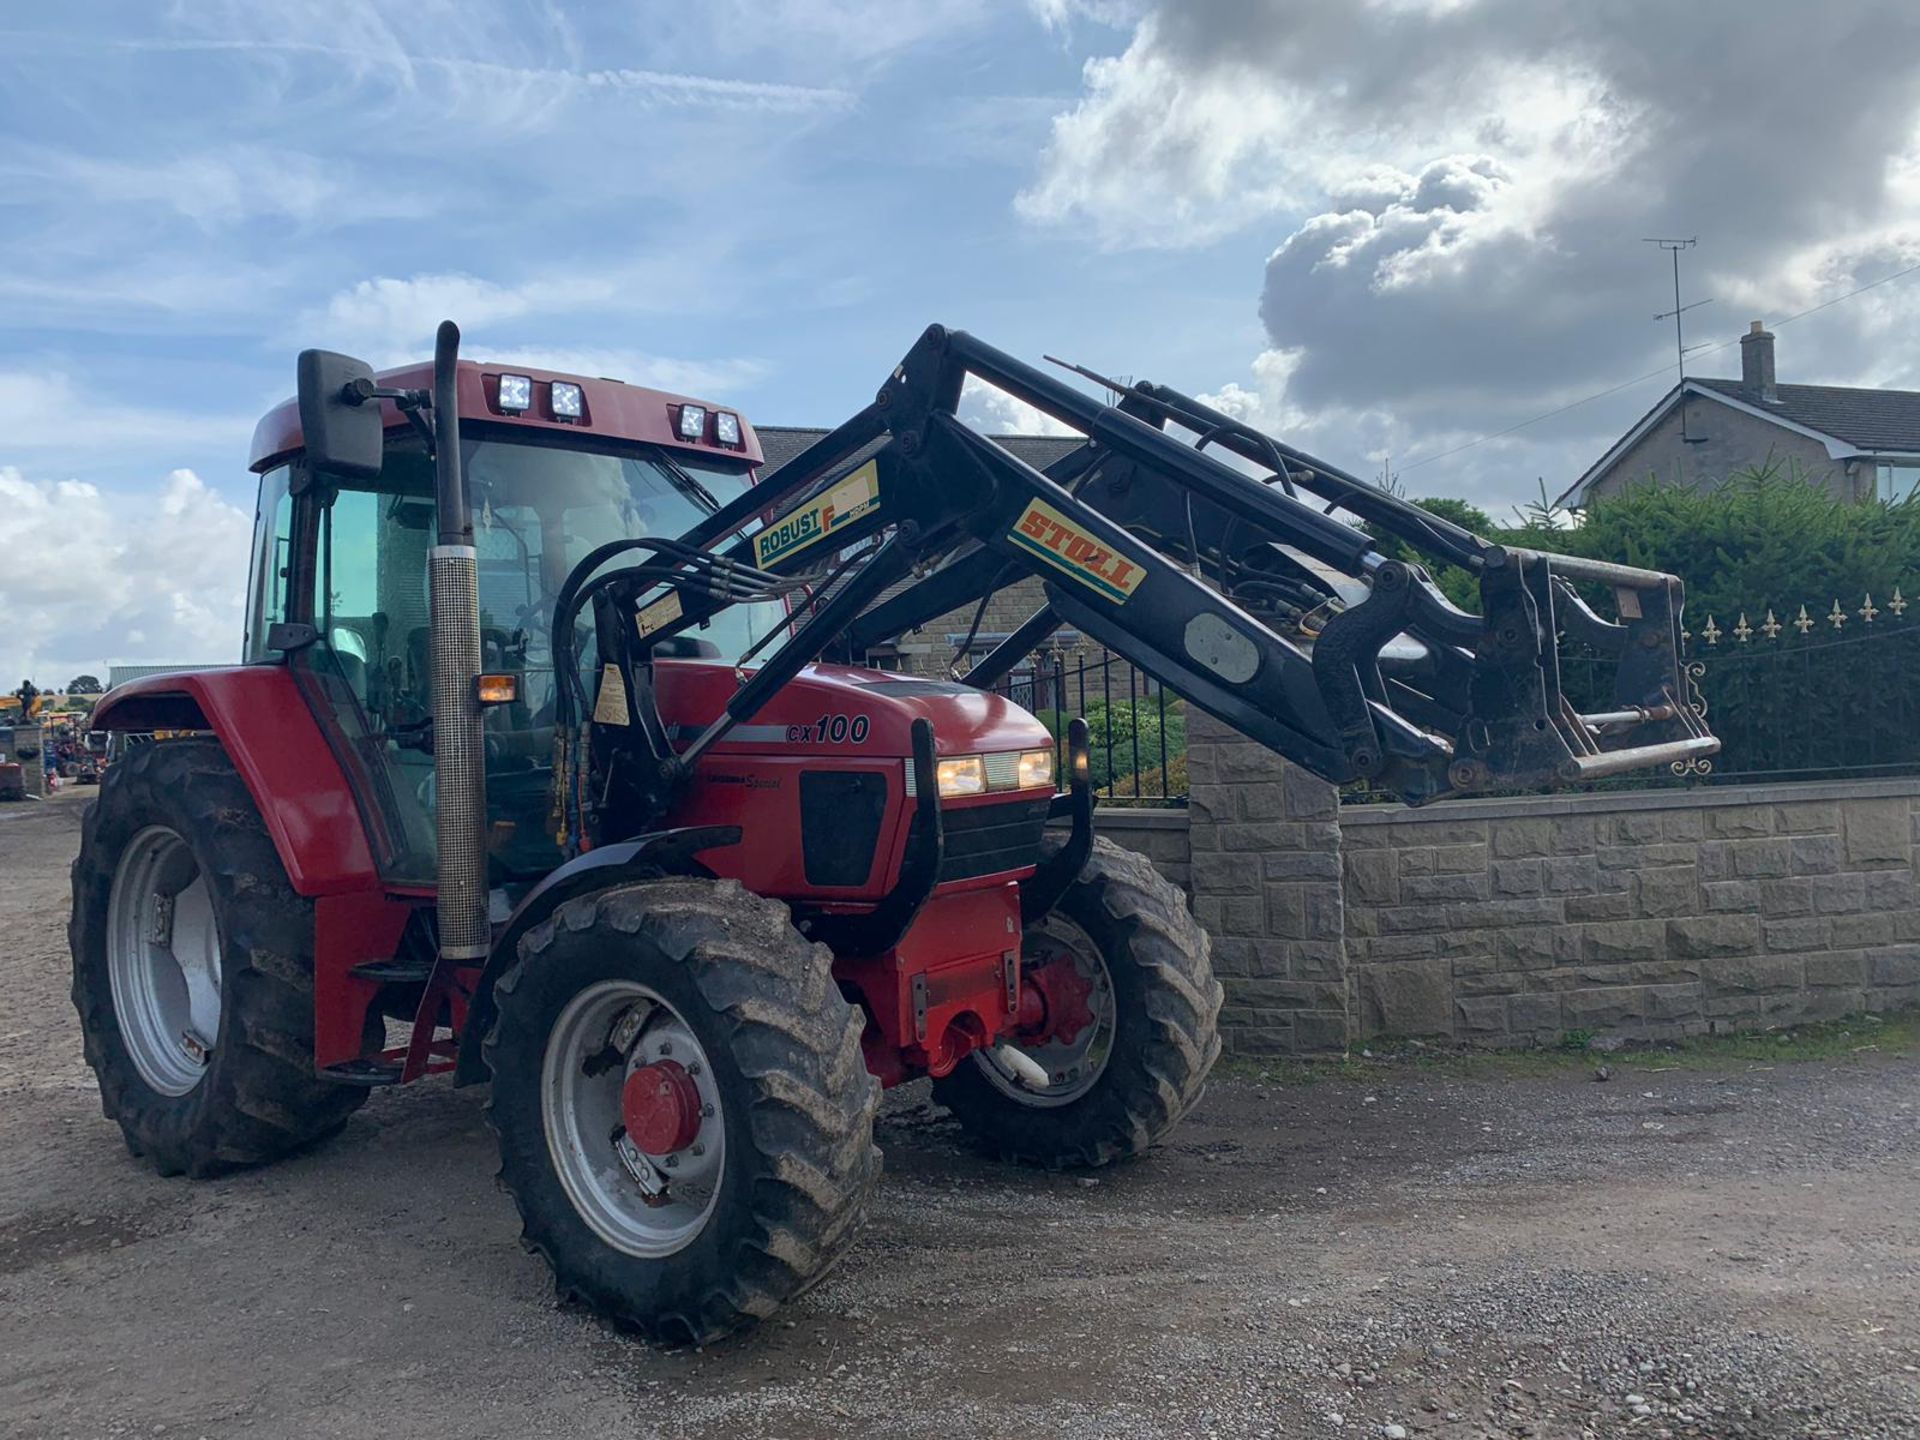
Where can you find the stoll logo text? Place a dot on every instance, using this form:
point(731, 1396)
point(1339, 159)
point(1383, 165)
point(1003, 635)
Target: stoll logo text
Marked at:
point(1047, 533)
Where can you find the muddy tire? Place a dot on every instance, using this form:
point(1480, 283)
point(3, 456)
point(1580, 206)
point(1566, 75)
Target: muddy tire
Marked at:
point(747, 1194)
point(193, 969)
point(1147, 974)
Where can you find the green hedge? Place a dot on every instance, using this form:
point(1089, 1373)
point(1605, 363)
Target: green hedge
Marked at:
point(1764, 538)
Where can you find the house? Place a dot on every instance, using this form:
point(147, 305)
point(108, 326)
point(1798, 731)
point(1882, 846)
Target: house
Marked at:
point(1861, 444)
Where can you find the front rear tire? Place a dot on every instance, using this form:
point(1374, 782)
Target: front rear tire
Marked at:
point(1123, 952)
point(193, 969)
point(684, 1114)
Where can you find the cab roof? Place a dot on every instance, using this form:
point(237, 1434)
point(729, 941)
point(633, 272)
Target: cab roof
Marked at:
point(610, 409)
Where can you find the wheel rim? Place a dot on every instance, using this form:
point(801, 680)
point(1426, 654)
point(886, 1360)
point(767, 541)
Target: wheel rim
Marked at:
point(1075, 1065)
point(607, 1033)
point(163, 961)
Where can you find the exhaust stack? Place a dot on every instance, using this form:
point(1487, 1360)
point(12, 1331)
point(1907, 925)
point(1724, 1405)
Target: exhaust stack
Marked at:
point(459, 757)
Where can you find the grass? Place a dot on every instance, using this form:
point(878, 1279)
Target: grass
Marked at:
point(1386, 1058)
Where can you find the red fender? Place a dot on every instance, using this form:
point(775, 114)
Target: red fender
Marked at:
point(264, 724)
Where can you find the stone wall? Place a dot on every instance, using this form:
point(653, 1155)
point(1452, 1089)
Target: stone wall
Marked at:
point(1265, 881)
point(1647, 914)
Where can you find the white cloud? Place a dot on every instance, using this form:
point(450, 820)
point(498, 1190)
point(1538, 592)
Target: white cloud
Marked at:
point(1060, 15)
point(1150, 158)
point(1166, 149)
point(994, 412)
point(1459, 192)
point(93, 577)
point(390, 320)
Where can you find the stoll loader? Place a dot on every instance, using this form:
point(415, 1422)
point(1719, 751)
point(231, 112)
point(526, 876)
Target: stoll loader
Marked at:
point(553, 749)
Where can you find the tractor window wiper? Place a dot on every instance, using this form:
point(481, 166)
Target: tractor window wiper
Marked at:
point(684, 481)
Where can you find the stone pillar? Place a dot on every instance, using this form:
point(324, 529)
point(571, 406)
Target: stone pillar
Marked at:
point(1266, 883)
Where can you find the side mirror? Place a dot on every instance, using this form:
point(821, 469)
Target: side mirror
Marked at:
point(339, 419)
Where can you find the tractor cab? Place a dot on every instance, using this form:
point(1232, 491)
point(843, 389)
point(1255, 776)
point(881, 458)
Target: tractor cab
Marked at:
point(558, 469)
point(549, 480)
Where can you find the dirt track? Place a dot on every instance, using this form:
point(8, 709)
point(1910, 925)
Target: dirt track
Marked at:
point(1728, 1254)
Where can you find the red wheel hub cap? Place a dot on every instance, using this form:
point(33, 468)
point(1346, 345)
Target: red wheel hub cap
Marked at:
point(1056, 1002)
point(661, 1108)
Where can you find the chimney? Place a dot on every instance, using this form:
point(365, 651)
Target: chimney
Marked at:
point(1756, 366)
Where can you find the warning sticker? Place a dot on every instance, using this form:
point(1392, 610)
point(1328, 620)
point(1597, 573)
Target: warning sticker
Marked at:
point(1043, 531)
point(853, 497)
point(611, 707)
point(660, 614)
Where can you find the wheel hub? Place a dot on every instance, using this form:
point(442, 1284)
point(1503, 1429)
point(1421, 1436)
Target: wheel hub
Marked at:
point(1056, 1002)
point(633, 1118)
point(660, 1106)
point(1065, 1024)
point(163, 961)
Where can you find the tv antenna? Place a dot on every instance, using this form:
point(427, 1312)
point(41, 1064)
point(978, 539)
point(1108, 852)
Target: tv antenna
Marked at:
point(1674, 246)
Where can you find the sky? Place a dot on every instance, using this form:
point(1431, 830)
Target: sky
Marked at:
point(1385, 230)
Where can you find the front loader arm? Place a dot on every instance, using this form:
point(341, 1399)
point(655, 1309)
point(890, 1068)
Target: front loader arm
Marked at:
point(1234, 591)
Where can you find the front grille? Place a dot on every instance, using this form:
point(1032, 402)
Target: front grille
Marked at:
point(840, 815)
point(986, 839)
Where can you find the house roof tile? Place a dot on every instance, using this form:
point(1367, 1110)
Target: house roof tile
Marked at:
point(1868, 419)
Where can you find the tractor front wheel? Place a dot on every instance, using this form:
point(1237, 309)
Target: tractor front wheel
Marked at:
point(193, 968)
point(684, 1115)
point(1122, 1025)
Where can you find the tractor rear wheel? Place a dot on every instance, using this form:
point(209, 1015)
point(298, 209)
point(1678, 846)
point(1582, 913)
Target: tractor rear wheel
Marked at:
point(1125, 1025)
point(193, 969)
point(684, 1115)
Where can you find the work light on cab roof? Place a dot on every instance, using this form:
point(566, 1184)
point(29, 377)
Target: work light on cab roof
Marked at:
point(516, 394)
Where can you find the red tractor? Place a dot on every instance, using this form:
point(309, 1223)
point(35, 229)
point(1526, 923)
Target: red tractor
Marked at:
point(535, 756)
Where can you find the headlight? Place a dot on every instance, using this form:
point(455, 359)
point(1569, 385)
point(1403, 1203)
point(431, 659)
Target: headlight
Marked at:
point(1036, 769)
point(726, 427)
point(568, 403)
point(962, 775)
point(693, 422)
point(516, 394)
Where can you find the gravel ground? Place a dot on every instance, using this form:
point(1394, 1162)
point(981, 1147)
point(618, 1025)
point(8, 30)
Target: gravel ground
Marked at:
point(1728, 1254)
